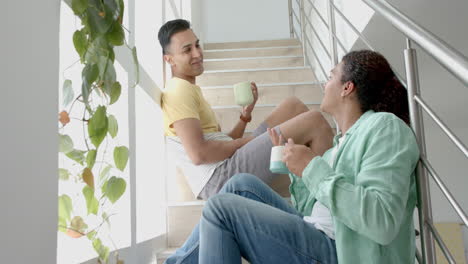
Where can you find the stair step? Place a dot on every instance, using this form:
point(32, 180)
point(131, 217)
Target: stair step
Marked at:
point(162, 256)
point(249, 62)
point(253, 52)
point(182, 217)
point(252, 44)
point(260, 76)
point(268, 94)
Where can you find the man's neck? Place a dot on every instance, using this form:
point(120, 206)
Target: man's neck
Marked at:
point(190, 79)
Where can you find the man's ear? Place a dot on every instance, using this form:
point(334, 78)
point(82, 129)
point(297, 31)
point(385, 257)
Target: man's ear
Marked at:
point(348, 88)
point(169, 59)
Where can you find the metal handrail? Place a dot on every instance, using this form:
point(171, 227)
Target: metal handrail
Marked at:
point(318, 37)
point(318, 13)
point(445, 191)
point(451, 59)
point(442, 125)
point(360, 35)
point(441, 243)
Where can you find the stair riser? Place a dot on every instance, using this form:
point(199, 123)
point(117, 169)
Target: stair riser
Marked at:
point(253, 44)
point(283, 51)
point(181, 220)
point(265, 76)
point(267, 94)
point(254, 63)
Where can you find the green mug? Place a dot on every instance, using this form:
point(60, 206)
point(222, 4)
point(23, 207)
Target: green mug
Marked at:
point(243, 93)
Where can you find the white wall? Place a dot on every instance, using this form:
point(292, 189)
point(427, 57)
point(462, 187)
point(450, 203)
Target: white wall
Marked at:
point(444, 93)
point(243, 20)
point(28, 134)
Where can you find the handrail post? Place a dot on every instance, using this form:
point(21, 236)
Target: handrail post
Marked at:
point(424, 196)
point(291, 23)
point(302, 17)
point(332, 33)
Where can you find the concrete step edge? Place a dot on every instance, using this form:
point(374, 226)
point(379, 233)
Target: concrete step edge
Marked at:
point(265, 85)
point(254, 58)
point(259, 48)
point(258, 69)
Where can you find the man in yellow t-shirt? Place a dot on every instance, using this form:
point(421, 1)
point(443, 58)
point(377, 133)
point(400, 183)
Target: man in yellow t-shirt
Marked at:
point(207, 156)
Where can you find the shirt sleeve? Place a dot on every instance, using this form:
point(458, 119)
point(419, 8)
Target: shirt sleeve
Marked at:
point(375, 203)
point(181, 102)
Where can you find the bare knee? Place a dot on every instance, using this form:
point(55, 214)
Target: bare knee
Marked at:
point(295, 105)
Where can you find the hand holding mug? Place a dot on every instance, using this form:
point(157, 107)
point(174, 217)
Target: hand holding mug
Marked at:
point(297, 157)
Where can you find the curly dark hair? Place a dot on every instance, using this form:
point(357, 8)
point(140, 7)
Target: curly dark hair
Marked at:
point(377, 86)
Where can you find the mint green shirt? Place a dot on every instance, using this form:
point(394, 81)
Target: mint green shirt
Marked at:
point(370, 190)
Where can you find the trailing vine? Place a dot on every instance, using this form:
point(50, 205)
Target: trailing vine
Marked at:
point(92, 170)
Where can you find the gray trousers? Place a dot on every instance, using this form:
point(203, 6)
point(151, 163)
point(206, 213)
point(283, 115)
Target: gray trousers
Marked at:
point(253, 158)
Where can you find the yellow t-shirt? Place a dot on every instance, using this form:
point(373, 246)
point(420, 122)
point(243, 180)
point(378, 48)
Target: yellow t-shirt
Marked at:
point(182, 100)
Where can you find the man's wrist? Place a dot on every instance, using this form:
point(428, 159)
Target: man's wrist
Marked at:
point(245, 118)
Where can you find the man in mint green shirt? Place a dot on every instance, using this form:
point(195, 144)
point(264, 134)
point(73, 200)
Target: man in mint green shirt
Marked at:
point(352, 204)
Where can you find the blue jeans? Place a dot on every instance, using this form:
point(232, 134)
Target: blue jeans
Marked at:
point(247, 218)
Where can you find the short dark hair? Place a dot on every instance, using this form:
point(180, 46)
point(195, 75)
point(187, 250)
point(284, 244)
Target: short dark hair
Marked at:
point(377, 86)
point(169, 29)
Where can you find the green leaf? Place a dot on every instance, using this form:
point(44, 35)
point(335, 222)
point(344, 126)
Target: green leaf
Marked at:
point(97, 126)
point(115, 188)
point(102, 250)
point(64, 174)
point(65, 144)
point(104, 188)
point(67, 92)
point(121, 157)
point(121, 10)
point(80, 42)
point(105, 173)
point(77, 155)
point(65, 207)
point(115, 92)
point(116, 35)
point(100, 17)
point(88, 177)
point(91, 158)
point(91, 202)
point(78, 224)
point(79, 6)
point(137, 66)
point(97, 49)
point(107, 73)
point(113, 126)
point(91, 235)
point(89, 75)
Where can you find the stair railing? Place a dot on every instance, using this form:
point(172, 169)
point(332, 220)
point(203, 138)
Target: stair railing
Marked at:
point(451, 59)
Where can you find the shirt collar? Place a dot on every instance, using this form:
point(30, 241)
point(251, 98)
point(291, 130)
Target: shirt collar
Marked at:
point(356, 124)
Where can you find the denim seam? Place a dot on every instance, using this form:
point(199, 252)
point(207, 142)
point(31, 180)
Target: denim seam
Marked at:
point(263, 200)
point(285, 245)
point(189, 253)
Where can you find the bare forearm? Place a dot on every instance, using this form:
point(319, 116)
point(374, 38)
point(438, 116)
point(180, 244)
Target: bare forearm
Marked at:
point(238, 130)
point(214, 151)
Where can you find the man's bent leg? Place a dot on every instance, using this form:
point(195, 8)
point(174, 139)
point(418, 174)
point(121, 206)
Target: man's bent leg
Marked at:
point(287, 109)
point(311, 129)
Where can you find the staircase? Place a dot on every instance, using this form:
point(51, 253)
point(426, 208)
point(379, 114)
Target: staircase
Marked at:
point(277, 66)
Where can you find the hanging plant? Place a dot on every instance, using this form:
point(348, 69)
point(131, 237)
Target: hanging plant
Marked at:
point(101, 186)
